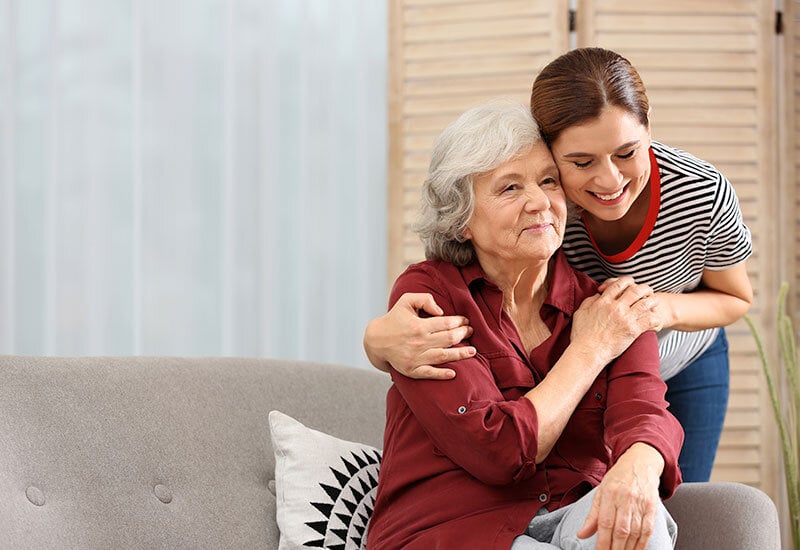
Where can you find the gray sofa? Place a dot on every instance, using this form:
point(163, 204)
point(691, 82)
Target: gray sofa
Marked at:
point(134, 452)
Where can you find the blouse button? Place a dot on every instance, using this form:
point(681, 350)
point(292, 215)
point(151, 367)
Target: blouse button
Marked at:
point(598, 396)
point(462, 409)
point(543, 497)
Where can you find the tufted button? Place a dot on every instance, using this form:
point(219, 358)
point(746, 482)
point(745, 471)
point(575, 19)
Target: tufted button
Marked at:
point(462, 409)
point(543, 497)
point(163, 493)
point(35, 495)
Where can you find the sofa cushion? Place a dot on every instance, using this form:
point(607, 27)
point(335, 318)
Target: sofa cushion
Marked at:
point(325, 486)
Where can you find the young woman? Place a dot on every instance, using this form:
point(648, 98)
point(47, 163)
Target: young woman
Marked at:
point(642, 209)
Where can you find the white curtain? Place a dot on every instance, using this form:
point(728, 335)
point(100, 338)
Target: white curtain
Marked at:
point(192, 177)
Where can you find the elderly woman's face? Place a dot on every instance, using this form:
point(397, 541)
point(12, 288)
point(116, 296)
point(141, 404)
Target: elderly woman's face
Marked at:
point(520, 209)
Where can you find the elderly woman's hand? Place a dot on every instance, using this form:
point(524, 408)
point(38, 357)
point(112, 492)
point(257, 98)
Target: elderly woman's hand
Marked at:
point(662, 315)
point(607, 323)
point(411, 344)
point(624, 507)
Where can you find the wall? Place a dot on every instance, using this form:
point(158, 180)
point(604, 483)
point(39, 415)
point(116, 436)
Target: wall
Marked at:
point(192, 177)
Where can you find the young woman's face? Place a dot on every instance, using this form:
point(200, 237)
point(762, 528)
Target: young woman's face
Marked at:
point(604, 163)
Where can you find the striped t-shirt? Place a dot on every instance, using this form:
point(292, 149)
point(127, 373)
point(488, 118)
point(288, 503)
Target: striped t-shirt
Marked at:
point(693, 223)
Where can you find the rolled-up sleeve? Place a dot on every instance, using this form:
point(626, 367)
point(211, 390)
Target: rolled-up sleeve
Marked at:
point(637, 411)
point(467, 418)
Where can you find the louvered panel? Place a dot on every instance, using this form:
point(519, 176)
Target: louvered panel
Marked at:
point(792, 168)
point(446, 56)
point(708, 69)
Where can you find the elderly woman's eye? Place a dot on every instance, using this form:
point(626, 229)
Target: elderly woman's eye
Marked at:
point(549, 182)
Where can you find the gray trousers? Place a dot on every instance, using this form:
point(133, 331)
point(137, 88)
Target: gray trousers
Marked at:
point(558, 529)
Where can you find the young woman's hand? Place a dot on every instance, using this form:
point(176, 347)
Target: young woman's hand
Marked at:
point(412, 344)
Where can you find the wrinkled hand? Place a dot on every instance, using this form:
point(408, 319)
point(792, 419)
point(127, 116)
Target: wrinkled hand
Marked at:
point(624, 508)
point(607, 323)
point(411, 344)
point(662, 315)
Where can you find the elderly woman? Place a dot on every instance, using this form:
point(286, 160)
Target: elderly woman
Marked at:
point(555, 434)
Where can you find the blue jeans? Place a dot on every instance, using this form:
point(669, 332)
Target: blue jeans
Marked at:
point(698, 397)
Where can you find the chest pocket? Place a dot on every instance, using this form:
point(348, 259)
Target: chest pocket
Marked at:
point(511, 374)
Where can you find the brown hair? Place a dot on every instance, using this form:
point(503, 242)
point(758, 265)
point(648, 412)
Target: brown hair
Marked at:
point(575, 88)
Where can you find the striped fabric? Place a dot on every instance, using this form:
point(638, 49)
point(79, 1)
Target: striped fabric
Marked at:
point(699, 226)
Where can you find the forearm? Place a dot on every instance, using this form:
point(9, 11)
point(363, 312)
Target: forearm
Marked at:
point(371, 335)
point(723, 297)
point(703, 309)
point(557, 396)
point(644, 460)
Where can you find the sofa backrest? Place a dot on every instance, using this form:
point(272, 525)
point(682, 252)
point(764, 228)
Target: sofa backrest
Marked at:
point(156, 452)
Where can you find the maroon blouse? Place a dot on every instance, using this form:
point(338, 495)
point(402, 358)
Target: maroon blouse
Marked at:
point(459, 468)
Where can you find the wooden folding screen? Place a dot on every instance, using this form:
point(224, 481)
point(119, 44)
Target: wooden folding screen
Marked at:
point(710, 68)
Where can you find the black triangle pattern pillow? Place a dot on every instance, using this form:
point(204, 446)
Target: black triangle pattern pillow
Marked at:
point(325, 487)
point(350, 498)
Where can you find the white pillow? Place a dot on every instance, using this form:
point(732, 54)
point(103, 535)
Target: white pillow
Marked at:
point(325, 487)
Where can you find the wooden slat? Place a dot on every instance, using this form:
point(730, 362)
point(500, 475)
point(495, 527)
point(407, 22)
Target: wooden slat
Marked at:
point(469, 85)
point(687, 23)
point(464, 31)
point(680, 42)
point(486, 67)
point(646, 61)
point(711, 79)
point(698, 97)
point(464, 11)
point(716, 7)
point(484, 47)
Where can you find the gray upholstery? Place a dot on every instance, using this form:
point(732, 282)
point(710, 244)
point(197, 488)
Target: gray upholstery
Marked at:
point(156, 452)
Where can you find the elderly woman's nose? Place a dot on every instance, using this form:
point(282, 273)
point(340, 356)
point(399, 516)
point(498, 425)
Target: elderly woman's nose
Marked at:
point(536, 198)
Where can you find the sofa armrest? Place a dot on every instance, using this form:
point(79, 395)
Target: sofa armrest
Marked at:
point(726, 515)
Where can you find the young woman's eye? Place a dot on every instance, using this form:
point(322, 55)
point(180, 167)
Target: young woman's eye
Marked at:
point(627, 155)
point(582, 164)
